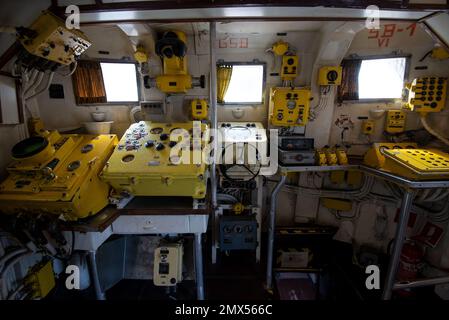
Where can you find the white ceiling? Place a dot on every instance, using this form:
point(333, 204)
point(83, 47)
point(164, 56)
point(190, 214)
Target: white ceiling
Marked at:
point(255, 27)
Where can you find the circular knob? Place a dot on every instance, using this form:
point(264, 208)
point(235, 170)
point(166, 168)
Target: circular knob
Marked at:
point(149, 143)
point(332, 75)
point(164, 136)
point(171, 144)
point(160, 146)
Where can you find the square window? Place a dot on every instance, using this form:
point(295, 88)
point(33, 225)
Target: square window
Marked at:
point(382, 78)
point(246, 84)
point(120, 82)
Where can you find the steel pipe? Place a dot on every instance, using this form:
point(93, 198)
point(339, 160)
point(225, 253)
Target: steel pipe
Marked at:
point(199, 267)
point(401, 229)
point(271, 226)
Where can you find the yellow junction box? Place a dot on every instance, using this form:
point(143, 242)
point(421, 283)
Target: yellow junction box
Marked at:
point(199, 109)
point(289, 68)
point(54, 41)
point(58, 174)
point(289, 106)
point(156, 159)
point(41, 279)
point(330, 76)
point(395, 121)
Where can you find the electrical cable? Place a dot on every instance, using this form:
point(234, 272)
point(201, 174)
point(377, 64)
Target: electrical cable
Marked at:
point(45, 88)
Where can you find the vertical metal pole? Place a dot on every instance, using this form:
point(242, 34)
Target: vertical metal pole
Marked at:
point(199, 267)
point(401, 229)
point(94, 275)
point(213, 108)
point(271, 227)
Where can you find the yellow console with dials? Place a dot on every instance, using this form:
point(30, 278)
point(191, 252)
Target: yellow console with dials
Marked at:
point(160, 159)
point(57, 174)
point(289, 106)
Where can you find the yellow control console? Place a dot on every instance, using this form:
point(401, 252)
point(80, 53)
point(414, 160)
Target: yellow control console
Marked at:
point(407, 160)
point(417, 164)
point(289, 106)
point(57, 174)
point(160, 159)
point(374, 156)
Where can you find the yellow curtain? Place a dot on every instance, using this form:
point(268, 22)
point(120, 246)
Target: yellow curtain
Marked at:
point(224, 73)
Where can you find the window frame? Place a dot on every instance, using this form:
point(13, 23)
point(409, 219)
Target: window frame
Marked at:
point(244, 63)
point(120, 103)
point(408, 58)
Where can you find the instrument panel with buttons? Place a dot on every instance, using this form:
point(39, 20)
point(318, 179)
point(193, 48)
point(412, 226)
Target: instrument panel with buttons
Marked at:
point(427, 94)
point(159, 159)
point(289, 106)
point(395, 121)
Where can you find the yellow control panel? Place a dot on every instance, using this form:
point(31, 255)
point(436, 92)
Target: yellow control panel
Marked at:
point(395, 121)
point(53, 41)
point(160, 159)
point(374, 156)
point(427, 94)
point(290, 67)
point(289, 106)
point(57, 174)
point(417, 164)
point(329, 75)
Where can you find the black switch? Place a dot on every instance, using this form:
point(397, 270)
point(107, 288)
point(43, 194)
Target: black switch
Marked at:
point(160, 146)
point(149, 143)
point(171, 144)
point(164, 136)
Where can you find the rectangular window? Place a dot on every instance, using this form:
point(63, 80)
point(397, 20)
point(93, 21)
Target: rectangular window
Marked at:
point(120, 82)
point(245, 84)
point(105, 82)
point(373, 79)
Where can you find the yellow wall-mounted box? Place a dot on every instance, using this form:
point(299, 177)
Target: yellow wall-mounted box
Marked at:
point(368, 127)
point(41, 279)
point(289, 106)
point(330, 75)
point(54, 41)
point(395, 121)
point(199, 109)
point(290, 67)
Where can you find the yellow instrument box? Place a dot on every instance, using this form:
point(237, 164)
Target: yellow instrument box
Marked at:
point(289, 68)
point(395, 121)
point(427, 94)
point(330, 76)
point(199, 109)
point(289, 106)
point(58, 174)
point(375, 158)
point(160, 159)
point(53, 41)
